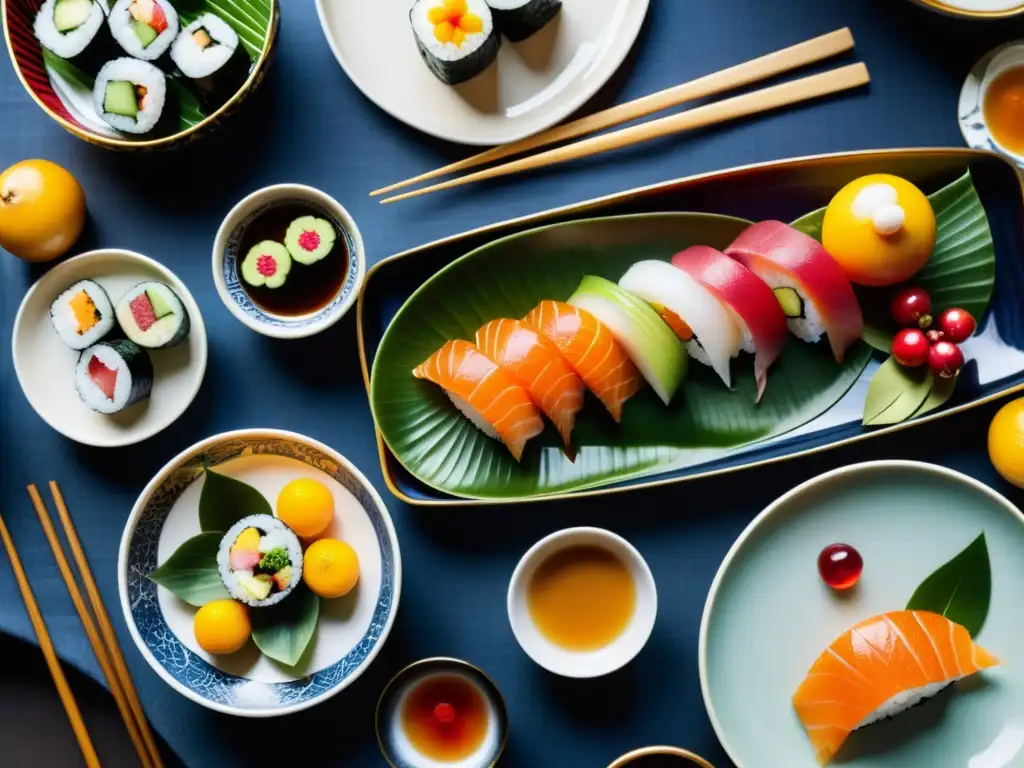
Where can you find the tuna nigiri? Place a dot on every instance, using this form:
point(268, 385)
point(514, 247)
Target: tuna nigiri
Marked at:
point(537, 364)
point(592, 351)
point(485, 393)
point(758, 314)
point(879, 668)
point(812, 288)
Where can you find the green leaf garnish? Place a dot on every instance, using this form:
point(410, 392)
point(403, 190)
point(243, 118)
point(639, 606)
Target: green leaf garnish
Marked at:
point(191, 572)
point(960, 590)
point(283, 631)
point(898, 393)
point(224, 501)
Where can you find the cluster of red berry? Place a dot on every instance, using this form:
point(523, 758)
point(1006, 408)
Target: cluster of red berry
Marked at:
point(918, 343)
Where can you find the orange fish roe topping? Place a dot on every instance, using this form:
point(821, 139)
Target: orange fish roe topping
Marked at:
point(85, 311)
point(453, 22)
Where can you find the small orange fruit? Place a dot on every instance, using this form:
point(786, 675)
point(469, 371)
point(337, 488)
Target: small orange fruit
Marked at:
point(330, 568)
point(306, 506)
point(222, 626)
point(42, 210)
point(1006, 442)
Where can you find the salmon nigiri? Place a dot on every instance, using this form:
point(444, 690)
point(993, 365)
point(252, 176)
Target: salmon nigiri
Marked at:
point(535, 362)
point(879, 668)
point(486, 394)
point(591, 350)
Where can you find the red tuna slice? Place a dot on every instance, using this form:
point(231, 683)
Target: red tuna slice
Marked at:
point(103, 377)
point(777, 246)
point(142, 311)
point(749, 298)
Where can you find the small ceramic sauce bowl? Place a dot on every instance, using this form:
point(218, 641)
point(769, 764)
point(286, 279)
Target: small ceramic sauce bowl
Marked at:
point(583, 664)
point(227, 260)
point(659, 756)
point(971, 109)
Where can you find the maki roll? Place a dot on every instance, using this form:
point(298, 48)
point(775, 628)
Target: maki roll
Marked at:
point(152, 316)
point(266, 264)
point(208, 53)
point(82, 315)
point(145, 29)
point(309, 239)
point(260, 560)
point(457, 38)
point(520, 19)
point(130, 95)
point(76, 30)
point(112, 375)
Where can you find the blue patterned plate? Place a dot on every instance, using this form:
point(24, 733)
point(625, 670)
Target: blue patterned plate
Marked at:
point(351, 630)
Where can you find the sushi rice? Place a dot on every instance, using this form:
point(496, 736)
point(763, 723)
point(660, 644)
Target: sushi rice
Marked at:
point(520, 19)
point(71, 43)
point(112, 375)
point(152, 315)
point(138, 73)
point(273, 534)
point(123, 27)
point(82, 315)
point(455, 63)
point(197, 62)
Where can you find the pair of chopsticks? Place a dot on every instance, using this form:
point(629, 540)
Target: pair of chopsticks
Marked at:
point(764, 100)
point(103, 640)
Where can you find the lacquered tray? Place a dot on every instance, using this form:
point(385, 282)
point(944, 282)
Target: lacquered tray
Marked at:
point(782, 190)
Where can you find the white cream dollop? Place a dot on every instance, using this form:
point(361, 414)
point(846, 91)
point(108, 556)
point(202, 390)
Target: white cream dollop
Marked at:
point(878, 203)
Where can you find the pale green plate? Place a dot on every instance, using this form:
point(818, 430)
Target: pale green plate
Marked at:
point(768, 616)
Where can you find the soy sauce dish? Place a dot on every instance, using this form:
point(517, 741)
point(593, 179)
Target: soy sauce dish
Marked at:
point(288, 261)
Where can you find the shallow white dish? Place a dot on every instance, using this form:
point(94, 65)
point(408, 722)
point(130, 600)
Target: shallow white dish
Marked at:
point(350, 631)
point(532, 85)
point(45, 366)
point(971, 112)
point(581, 664)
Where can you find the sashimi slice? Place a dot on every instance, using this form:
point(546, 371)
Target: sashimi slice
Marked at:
point(760, 319)
point(592, 351)
point(772, 249)
point(485, 393)
point(881, 667)
point(537, 364)
point(104, 378)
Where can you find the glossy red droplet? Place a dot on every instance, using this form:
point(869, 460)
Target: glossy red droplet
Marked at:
point(945, 359)
point(957, 325)
point(444, 712)
point(910, 308)
point(910, 347)
point(840, 566)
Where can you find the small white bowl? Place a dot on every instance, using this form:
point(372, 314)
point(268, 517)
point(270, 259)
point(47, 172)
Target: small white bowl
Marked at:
point(971, 108)
point(226, 260)
point(582, 664)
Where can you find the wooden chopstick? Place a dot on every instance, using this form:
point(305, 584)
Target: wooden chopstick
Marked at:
point(98, 647)
point(785, 94)
point(762, 68)
point(67, 698)
point(106, 628)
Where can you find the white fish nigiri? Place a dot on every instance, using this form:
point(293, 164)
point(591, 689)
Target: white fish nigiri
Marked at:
point(699, 319)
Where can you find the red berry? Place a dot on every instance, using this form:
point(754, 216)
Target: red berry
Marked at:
point(444, 712)
point(910, 347)
point(840, 566)
point(957, 325)
point(945, 359)
point(910, 307)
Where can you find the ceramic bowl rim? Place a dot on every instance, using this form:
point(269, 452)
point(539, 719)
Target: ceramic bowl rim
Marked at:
point(139, 507)
point(565, 538)
point(198, 327)
point(961, 13)
point(623, 761)
point(277, 193)
point(823, 479)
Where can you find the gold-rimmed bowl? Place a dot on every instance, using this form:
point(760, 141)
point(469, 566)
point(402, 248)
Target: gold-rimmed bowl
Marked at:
point(63, 96)
point(964, 13)
point(638, 757)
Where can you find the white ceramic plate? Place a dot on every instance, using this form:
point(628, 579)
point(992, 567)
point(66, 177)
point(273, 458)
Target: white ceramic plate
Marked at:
point(350, 631)
point(532, 85)
point(46, 366)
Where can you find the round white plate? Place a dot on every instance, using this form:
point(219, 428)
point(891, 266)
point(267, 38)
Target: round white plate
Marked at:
point(46, 366)
point(350, 631)
point(532, 85)
point(970, 112)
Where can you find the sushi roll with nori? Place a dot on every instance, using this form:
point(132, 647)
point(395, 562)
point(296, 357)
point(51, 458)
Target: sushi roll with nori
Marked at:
point(76, 30)
point(145, 29)
point(112, 375)
point(152, 316)
point(260, 560)
point(82, 315)
point(209, 54)
point(520, 19)
point(457, 38)
point(309, 239)
point(131, 95)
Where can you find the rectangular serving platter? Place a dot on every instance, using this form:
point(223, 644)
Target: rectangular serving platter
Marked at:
point(779, 190)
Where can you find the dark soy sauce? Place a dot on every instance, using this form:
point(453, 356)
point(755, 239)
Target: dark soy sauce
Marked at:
point(308, 289)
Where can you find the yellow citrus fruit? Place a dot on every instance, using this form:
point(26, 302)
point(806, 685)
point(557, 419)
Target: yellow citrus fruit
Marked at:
point(850, 230)
point(306, 506)
point(42, 210)
point(1006, 442)
point(222, 626)
point(330, 568)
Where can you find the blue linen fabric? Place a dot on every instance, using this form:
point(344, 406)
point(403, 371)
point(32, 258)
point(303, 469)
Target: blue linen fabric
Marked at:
point(309, 124)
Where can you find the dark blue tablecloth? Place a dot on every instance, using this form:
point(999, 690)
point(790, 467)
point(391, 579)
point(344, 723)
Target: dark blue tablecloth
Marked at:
point(309, 124)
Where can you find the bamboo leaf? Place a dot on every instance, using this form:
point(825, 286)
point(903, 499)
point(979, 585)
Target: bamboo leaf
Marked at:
point(896, 393)
point(283, 631)
point(941, 391)
point(224, 501)
point(960, 590)
point(191, 572)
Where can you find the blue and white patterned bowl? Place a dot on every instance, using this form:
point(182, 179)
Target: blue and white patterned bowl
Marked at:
point(227, 260)
point(971, 108)
point(351, 630)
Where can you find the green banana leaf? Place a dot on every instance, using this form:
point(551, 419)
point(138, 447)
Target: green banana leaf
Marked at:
point(507, 278)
